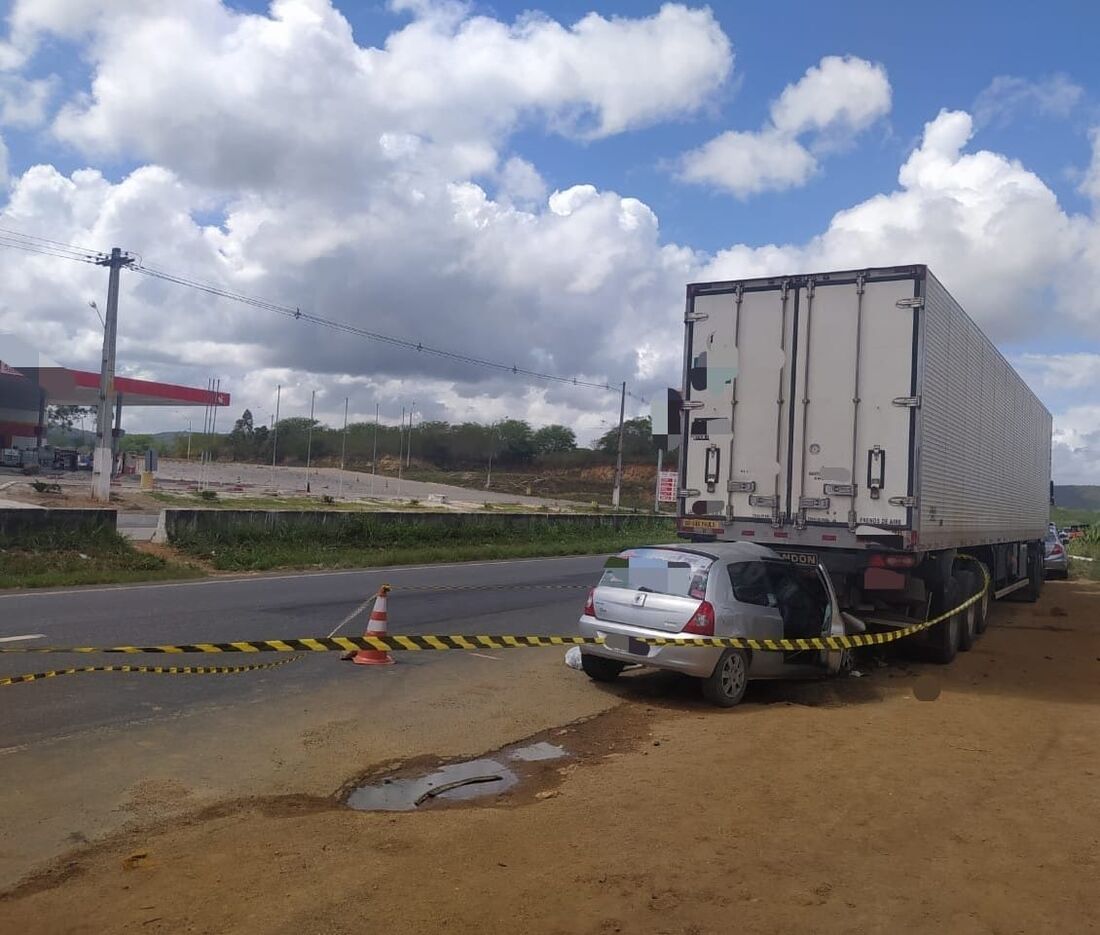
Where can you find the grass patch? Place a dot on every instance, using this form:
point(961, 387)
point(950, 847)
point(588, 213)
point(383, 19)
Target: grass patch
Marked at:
point(1087, 546)
point(372, 541)
point(94, 555)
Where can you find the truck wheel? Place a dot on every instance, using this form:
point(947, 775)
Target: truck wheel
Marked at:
point(599, 669)
point(726, 685)
point(968, 629)
point(983, 604)
point(945, 636)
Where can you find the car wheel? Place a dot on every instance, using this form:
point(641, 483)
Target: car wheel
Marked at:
point(726, 685)
point(968, 625)
point(599, 669)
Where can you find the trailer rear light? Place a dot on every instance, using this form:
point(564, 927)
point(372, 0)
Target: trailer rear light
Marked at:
point(878, 560)
point(590, 604)
point(828, 537)
point(702, 621)
point(748, 532)
point(782, 535)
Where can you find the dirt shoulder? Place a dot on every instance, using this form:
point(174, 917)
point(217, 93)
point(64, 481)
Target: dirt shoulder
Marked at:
point(829, 807)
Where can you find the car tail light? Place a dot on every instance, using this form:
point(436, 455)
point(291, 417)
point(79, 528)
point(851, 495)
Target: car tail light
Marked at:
point(702, 621)
point(590, 603)
point(1056, 549)
point(879, 560)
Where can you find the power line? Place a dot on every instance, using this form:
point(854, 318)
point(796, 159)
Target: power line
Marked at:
point(298, 315)
point(33, 243)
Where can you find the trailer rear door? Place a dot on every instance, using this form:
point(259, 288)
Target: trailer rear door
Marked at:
point(817, 424)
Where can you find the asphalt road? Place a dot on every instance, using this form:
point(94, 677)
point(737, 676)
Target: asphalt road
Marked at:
point(258, 607)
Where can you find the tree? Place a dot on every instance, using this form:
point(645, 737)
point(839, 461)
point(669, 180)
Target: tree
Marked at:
point(516, 441)
point(637, 440)
point(554, 438)
point(65, 417)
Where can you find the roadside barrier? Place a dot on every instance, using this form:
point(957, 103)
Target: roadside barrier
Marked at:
point(384, 644)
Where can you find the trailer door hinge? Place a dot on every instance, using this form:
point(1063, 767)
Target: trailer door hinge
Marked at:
point(904, 501)
point(915, 302)
point(813, 503)
point(692, 404)
point(741, 486)
point(688, 492)
point(696, 316)
point(840, 490)
point(913, 402)
point(758, 500)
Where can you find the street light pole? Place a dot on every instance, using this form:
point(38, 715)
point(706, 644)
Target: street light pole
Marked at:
point(374, 453)
point(343, 450)
point(275, 431)
point(309, 437)
point(619, 458)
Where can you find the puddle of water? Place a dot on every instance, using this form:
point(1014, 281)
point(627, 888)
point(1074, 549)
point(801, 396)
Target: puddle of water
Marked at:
point(402, 795)
point(537, 751)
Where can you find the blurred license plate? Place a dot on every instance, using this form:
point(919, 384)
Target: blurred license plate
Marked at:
point(627, 644)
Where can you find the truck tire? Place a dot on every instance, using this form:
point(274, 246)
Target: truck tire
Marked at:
point(968, 629)
point(983, 604)
point(944, 642)
point(599, 669)
point(726, 685)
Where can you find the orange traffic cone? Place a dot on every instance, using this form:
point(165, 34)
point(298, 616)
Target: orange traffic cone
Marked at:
point(376, 627)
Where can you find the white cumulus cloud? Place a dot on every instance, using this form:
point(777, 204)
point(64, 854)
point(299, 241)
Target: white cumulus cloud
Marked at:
point(833, 100)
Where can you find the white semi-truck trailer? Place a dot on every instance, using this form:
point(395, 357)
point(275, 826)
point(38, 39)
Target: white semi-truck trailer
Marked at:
point(860, 419)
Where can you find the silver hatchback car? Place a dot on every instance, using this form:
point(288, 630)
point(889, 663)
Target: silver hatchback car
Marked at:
point(718, 589)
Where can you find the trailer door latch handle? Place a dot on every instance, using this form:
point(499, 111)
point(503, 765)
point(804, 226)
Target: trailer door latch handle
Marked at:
point(876, 471)
point(710, 476)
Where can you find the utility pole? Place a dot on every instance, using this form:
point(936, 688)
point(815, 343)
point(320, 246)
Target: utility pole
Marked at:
point(343, 450)
point(275, 431)
point(309, 437)
point(374, 453)
point(657, 490)
point(400, 449)
point(619, 458)
point(188, 439)
point(409, 447)
point(104, 461)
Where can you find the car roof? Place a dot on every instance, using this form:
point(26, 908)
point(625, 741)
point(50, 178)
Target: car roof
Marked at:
point(721, 551)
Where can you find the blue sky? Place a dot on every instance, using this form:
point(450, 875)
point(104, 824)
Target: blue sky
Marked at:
point(1027, 76)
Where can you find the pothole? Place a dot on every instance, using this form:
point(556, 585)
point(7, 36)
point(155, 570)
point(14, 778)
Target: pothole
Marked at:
point(454, 782)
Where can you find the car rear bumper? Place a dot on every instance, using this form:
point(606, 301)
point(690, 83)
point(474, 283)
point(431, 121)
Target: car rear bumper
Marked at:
point(695, 661)
point(1058, 565)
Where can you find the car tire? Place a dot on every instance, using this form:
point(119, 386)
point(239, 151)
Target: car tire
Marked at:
point(726, 685)
point(944, 641)
point(600, 669)
point(968, 627)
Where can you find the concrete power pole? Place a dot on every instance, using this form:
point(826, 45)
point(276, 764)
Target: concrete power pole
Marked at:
point(103, 464)
point(619, 458)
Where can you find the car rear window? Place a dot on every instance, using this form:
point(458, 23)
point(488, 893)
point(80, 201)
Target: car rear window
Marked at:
point(659, 571)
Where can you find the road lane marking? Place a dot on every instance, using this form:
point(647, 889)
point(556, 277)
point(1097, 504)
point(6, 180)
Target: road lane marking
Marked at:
point(483, 656)
point(382, 570)
point(26, 636)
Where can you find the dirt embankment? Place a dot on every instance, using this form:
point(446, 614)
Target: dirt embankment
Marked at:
point(827, 807)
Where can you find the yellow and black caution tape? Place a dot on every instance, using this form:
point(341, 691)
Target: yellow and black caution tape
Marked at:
point(489, 587)
point(485, 641)
point(146, 670)
point(328, 644)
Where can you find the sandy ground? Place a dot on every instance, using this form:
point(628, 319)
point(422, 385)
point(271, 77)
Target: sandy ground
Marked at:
point(254, 480)
point(838, 807)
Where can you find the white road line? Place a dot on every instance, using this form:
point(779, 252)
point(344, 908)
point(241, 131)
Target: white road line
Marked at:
point(483, 656)
point(26, 636)
point(383, 571)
